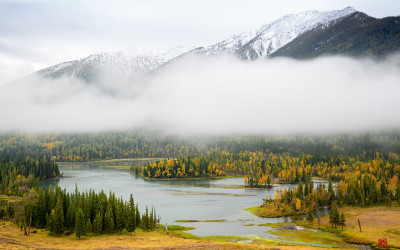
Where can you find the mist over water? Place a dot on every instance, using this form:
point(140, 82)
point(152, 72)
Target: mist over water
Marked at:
point(217, 96)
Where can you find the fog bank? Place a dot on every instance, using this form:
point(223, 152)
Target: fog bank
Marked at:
point(217, 96)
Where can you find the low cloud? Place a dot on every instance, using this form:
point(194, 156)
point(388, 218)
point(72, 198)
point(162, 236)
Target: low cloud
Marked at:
point(217, 96)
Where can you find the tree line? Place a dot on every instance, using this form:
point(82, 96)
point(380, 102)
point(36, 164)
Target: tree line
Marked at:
point(152, 144)
point(61, 212)
point(305, 199)
point(17, 176)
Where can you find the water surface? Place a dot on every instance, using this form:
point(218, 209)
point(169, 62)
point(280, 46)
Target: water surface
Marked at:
point(180, 200)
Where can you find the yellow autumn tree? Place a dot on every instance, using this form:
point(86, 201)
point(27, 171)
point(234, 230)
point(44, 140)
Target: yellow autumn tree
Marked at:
point(298, 204)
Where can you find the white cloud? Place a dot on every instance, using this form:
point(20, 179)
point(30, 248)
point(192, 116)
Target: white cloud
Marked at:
point(223, 95)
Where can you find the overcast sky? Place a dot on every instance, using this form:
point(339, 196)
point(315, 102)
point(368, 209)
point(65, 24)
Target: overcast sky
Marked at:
point(38, 34)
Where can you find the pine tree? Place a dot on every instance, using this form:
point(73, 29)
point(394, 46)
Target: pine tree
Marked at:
point(97, 223)
point(151, 217)
point(137, 213)
point(300, 191)
point(342, 220)
point(70, 218)
point(131, 218)
point(52, 222)
point(334, 216)
point(41, 210)
point(310, 216)
point(331, 192)
point(109, 220)
point(89, 227)
point(80, 229)
point(145, 219)
point(59, 217)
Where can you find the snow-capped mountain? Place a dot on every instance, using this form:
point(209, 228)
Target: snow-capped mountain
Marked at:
point(267, 39)
point(273, 36)
point(122, 65)
point(126, 66)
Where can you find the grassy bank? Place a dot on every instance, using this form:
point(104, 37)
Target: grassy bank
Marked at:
point(376, 223)
point(11, 237)
point(269, 210)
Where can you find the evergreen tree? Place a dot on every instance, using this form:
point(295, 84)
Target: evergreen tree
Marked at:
point(137, 214)
point(52, 222)
point(89, 227)
point(59, 217)
point(145, 219)
point(131, 219)
point(342, 220)
point(310, 216)
point(41, 210)
point(70, 218)
point(109, 220)
point(334, 216)
point(300, 191)
point(151, 219)
point(97, 224)
point(331, 192)
point(80, 229)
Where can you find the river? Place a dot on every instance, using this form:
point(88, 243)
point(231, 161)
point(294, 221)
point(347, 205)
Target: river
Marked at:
point(181, 200)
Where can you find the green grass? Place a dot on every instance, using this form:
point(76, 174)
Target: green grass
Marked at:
point(248, 225)
point(275, 225)
point(186, 221)
point(224, 238)
point(254, 210)
point(177, 227)
point(310, 237)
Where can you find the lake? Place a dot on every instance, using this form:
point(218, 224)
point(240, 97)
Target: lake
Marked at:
point(180, 200)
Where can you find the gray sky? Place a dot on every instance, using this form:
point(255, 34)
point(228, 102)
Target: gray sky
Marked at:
point(38, 34)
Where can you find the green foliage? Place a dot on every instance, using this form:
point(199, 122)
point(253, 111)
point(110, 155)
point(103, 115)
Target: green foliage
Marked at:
point(97, 224)
point(18, 176)
point(342, 221)
point(334, 217)
point(131, 218)
point(89, 227)
point(58, 219)
point(310, 216)
point(109, 220)
point(80, 227)
point(41, 210)
point(175, 227)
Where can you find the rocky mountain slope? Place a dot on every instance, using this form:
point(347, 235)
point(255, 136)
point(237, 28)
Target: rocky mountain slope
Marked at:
point(355, 35)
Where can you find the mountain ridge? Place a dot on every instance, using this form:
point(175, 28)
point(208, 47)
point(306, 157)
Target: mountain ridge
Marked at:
point(355, 35)
point(268, 40)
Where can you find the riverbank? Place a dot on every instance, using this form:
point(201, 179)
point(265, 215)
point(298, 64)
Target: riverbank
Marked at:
point(190, 178)
point(11, 237)
point(111, 160)
point(270, 210)
point(376, 223)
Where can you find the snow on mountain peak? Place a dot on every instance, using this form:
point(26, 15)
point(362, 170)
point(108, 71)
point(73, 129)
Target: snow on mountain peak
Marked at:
point(268, 38)
point(129, 64)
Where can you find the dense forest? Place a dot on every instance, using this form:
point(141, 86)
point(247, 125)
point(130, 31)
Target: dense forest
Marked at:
point(21, 174)
point(365, 169)
point(58, 211)
point(61, 212)
point(153, 144)
point(305, 199)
